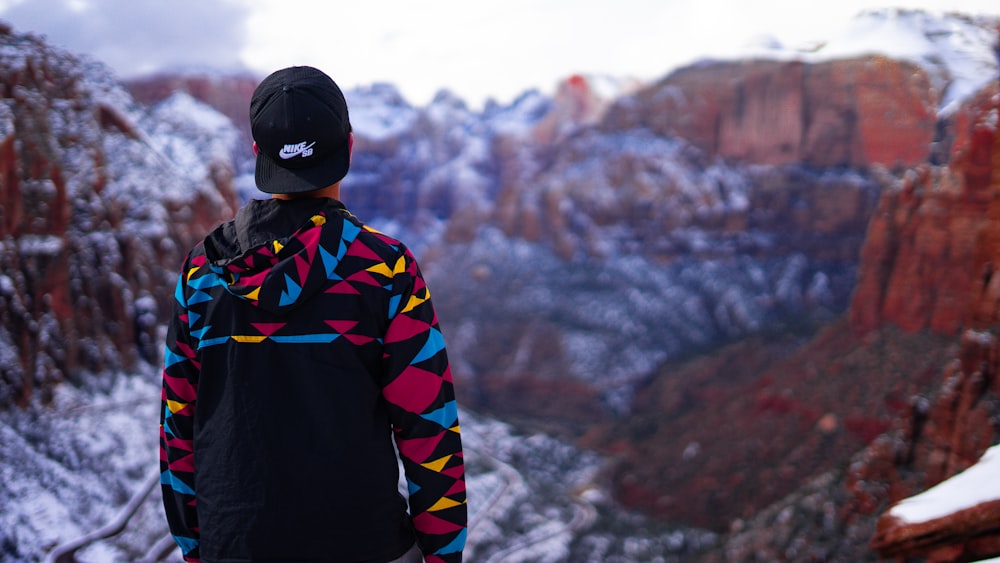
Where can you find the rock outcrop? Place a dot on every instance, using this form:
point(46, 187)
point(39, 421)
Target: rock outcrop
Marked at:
point(947, 522)
point(927, 254)
point(941, 409)
point(853, 112)
point(950, 429)
point(94, 216)
point(927, 276)
point(228, 94)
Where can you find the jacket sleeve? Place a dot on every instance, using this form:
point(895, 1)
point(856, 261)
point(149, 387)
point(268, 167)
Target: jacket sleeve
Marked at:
point(424, 416)
point(180, 385)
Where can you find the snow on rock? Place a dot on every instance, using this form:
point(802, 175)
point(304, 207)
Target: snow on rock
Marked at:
point(885, 92)
point(71, 467)
point(101, 197)
point(520, 117)
point(191, 138)
point(958, 518)
point(956, 50)
point(379, 112)
point(66, 467)
point(976, 485)
point(536, 498)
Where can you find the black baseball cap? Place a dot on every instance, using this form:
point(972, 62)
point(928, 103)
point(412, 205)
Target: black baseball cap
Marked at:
point(299, 120)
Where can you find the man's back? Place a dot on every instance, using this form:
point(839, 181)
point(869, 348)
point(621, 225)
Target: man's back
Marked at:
point(302, 343)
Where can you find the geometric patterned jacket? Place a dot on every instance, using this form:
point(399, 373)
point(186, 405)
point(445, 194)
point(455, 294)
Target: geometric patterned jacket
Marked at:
point(303, 347)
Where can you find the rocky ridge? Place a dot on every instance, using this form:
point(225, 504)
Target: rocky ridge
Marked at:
point(947, 405)
point(949, 429)
point(775, 112)
point(925, 277)
point(94, 215)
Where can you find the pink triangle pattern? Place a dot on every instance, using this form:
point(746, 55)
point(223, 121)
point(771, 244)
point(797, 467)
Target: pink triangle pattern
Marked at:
point(416, 391)
point(268, 329)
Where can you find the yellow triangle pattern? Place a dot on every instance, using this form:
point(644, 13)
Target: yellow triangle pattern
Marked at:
point(249, 339)
point(381, 269)
point(438, 464)
point(444, 503)
point(318, 220)
point(192, 271)
point(277, 246)
point(415, 301)
point(254, 295)
point(457, 429)
point(176, 406)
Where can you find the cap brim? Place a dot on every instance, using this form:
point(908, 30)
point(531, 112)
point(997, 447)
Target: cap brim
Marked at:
point(274, 179)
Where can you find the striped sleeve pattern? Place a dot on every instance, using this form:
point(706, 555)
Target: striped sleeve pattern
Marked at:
point(180, 389)
point(424, 415)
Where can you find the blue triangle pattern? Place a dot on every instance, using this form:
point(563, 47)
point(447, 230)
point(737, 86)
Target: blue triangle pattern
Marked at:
point(199, 297)
point(350, 232)
point(212, 342)
point(291, 293)
point(456, 545)
point(170, 358)
point(166, 418)
point(434, 344)
point(205, 282)
point(394, 305)
point(186, 544)
point(330, 262)
point(200, 333)
point(445, 416)
point(167, 478)
point(179, 291)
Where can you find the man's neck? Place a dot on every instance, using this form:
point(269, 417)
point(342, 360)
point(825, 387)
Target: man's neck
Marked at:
point(332, 191)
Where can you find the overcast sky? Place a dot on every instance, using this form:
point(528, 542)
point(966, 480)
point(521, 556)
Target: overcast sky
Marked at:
point(477, 49)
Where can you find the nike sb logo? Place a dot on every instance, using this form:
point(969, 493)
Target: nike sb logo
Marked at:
point(292, 151)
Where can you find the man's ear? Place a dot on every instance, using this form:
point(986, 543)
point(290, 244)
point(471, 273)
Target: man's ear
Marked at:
point(350, 146)
point(255, 148)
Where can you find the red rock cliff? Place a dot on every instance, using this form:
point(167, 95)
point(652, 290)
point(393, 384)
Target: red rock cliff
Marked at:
point(930, 262)
point(852, 112)
point(929, 244)
point(89, 240)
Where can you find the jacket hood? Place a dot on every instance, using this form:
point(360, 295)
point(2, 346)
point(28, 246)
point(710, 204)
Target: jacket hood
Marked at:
point(275, 254)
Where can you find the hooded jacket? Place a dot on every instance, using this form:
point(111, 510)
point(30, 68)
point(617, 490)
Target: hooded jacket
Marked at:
point(302, 345)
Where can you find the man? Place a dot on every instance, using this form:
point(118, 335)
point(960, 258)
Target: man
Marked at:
point(303, 342)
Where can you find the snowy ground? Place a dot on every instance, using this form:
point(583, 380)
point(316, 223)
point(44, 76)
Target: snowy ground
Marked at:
point(67, 468)
point(86, 466)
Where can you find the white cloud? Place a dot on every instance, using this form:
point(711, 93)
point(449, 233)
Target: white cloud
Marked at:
point(137, 37)
point(487, 48)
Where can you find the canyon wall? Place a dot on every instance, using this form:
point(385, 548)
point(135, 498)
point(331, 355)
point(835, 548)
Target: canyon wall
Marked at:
point(906, 377)
point(93, 220)
point(854, 112)
point(942, 231)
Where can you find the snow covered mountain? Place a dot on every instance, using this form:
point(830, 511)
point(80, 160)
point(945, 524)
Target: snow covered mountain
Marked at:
point(100, 197)
point(580, 248)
